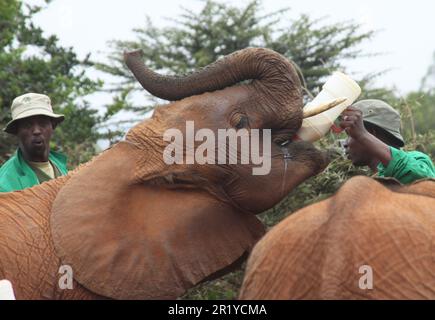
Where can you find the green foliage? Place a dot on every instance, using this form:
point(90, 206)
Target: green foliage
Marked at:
point(32, 62)
point(418, 121)
point(317, 48)
point(422, 106)
point(77, 136)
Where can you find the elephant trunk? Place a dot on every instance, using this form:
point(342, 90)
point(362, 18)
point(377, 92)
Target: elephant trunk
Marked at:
point(274, 79)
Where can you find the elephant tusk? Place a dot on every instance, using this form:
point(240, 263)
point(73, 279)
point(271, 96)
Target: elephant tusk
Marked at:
point(323, 107)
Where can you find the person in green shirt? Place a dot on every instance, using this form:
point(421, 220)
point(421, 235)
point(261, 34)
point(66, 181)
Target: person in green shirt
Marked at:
point(33, 122)
point(374, 140)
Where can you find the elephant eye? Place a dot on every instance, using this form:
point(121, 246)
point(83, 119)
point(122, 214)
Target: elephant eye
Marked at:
point(243, 122)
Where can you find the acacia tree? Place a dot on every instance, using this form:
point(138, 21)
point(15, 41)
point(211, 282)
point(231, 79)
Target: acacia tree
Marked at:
point(31, 62)
point(197, 39)
point(418, 114)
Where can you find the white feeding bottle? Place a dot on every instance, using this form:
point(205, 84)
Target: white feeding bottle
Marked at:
point(340, 91)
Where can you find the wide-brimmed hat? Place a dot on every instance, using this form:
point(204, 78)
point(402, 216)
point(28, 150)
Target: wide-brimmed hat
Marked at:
point(382, 115)
point(29, 105)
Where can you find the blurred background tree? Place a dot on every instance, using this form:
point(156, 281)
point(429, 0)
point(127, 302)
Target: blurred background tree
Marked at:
point(32, 62)
point(199, 38)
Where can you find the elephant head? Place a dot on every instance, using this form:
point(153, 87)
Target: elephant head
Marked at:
point(211, 98)
point(133, 226)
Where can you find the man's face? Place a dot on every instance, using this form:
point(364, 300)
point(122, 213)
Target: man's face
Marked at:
point(34, 134)
point(356, 152)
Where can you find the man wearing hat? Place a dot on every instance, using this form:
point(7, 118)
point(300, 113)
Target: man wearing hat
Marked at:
point(33, 122)
point(374, 140)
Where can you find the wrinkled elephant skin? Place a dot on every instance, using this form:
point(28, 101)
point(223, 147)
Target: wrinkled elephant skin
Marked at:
point(331, 249)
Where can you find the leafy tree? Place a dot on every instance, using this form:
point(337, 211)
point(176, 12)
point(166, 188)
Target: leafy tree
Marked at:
point(420, 114)
point(417, 113)
point(32, 62)
point(418, 120)
point(199, 38)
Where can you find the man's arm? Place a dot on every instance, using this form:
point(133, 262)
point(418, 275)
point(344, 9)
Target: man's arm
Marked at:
point(404, 166)
point(353, 124)
point(408, 166)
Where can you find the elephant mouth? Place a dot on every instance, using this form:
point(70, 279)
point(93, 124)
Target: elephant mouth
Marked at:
point(192, 181)
point(176, 180)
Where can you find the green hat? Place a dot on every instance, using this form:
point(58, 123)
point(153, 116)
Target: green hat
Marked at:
point(382, 115)
point(28, 105)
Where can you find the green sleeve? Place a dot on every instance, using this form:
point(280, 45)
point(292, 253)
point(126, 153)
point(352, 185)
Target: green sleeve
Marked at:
point(407, 166)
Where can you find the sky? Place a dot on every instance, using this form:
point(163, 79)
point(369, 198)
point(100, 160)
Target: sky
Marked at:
point(405, 29)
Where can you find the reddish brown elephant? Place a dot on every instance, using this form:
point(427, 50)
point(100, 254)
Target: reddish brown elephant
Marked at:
point(130, 225)
point(371, 240)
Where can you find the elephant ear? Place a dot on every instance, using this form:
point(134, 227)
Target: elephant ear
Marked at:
point(128, 240)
